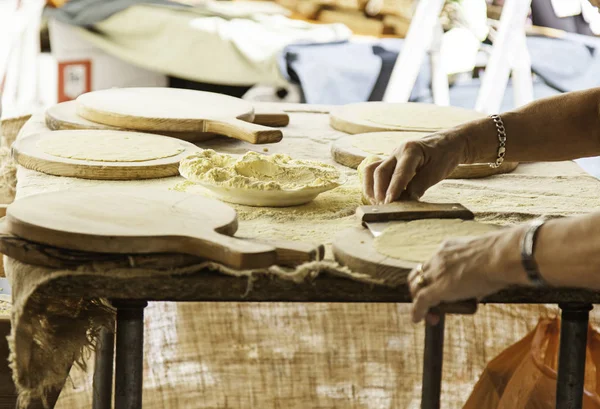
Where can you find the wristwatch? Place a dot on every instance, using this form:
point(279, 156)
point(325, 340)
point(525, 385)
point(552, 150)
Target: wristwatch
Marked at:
point(527, 248)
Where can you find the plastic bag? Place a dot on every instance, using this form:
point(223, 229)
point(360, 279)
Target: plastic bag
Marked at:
point(524, 375)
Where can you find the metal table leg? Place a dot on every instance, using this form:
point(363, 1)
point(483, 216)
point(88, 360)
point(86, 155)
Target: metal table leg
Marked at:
point(130, 354)
point(571, 359)
point(103, 370)
point(433, 358)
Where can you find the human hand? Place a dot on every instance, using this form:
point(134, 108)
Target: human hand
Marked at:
point(466, 268)
point(414, 167)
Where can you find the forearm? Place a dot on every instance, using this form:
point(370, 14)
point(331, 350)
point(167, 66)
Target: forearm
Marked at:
point(567, 253)
point(563, 127)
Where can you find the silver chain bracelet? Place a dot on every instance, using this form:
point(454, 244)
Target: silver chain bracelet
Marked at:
point(501, 141)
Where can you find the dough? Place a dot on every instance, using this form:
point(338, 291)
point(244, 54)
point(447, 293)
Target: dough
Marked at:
point(419, 239)
point(384, 143)
point(417, 116)
point(109, 146)
point(254, 171)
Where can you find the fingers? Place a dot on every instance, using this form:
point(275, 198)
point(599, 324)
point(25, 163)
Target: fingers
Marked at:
point(368, 181)
point(404, 172)
point(424, 295)
point(386, 181)
point(425, 299)
point(382, 177)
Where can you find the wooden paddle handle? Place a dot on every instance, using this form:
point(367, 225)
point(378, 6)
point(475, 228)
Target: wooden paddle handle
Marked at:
point(468, 307)
point(229, 251)
point(293, 253)
point(412, 210)
point(244, 131)
point(277, 119)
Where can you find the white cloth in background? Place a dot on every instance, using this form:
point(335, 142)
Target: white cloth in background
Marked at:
point(207, 49)
point(591, 15)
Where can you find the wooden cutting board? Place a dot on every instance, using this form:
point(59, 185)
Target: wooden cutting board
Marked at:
point(344, 152)
point(360, 117)
point(175, 110)
point(289, 254)
point(126, 221)
point(355, 247)
point(27, 153)
point(64, 116)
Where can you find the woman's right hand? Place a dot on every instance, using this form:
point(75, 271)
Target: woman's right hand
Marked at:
point(414, 167)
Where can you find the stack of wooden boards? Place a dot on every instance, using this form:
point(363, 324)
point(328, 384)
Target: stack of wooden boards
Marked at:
point(165, 122)
point(387, 17)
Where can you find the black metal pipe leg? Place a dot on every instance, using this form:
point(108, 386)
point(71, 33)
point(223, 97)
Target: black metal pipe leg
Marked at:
point(433, 358)
point(103, 370)
point(130, 354)
point(571, 358)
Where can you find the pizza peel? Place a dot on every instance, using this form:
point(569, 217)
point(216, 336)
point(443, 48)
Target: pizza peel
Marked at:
point(121, 221)
point(355, 248)
point(163, 110)
point(64, 116)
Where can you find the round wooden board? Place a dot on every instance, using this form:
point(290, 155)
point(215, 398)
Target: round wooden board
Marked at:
point(175, 110)
point(63, 117)
point(26, 153)
point(136, 221)
point(350, 118)
point(354, 248)
point(344, 152)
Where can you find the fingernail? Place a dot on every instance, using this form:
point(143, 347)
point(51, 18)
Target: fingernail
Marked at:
point(388, 199)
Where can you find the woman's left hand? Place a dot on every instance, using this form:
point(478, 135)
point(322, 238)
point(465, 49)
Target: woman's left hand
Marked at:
point(466, 268)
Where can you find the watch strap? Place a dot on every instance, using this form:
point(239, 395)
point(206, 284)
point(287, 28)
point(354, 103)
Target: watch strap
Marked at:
point(527, 253)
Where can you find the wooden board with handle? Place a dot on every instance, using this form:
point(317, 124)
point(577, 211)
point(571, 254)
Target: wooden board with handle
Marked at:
point(136, 222)
point(355, 118)
point(346, 153)
point(357, 251)
point(354, 248)
point(175, 110)
point(27, 153)
point(289, 254)
point(64, 116)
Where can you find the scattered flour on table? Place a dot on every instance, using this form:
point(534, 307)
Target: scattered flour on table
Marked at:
point(254, 171)
point(317, 222)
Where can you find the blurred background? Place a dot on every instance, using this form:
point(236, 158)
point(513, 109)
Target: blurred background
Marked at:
point(487, 55)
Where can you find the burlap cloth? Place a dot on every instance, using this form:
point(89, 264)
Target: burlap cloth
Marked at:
point(218, 355)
